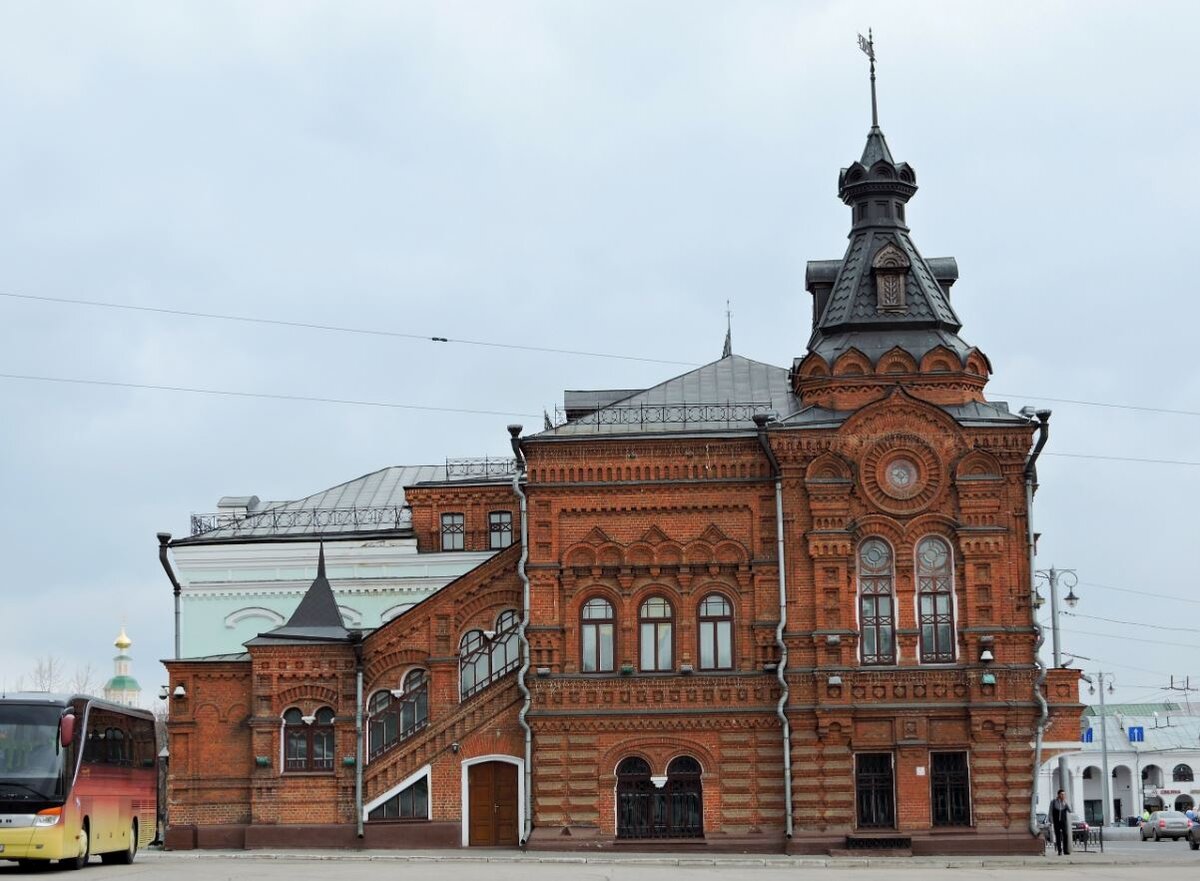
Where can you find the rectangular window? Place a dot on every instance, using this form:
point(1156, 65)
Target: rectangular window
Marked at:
point(453, 532)
point(874, 791)
point(656, 646)
point(950, 789)
point(500, 530)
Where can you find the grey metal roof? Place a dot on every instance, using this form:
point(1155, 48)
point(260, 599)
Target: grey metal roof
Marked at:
point(722, 396)
point(984, 413)
point(1182, 733)
point(373, 492)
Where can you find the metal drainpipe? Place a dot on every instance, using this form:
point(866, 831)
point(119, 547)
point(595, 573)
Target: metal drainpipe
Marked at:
point(356, 638)
point(527, 830)
point(164, 539)
point(1043, 417)
point(760, 420)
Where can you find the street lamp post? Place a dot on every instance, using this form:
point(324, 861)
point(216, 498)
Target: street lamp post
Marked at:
point(1098, 683)
point(1053, 577)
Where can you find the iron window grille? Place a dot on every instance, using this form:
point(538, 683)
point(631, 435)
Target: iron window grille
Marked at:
point(410, 803)
point(1182, 774)
point(596, 636)
point(657, 647)
point(483, 660)
point(676, 810)
point(393, 718)
point(876, 609)
point(935, 591)
point(716, 633)
point(500, 530)
point(950, 789)
point(874, 791)
point(454, 527)
point(308, 747)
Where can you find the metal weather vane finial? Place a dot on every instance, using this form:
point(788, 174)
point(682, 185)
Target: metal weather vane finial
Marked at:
point(867, 44)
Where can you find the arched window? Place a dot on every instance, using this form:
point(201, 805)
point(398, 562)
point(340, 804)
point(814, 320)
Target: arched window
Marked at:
point(486, 656)
point(308, 740)
point(396, 715)
point(1182, 774)
point(876, 607)
point(716, 633)
point(596, 636)
point(684, 797)
point(673, 810)
point(657, 641)
point(935, 599)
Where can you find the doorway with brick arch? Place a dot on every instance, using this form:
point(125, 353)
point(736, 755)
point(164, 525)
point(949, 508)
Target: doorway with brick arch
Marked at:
point(492, 804)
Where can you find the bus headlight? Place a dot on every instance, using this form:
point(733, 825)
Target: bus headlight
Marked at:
point(48, 817)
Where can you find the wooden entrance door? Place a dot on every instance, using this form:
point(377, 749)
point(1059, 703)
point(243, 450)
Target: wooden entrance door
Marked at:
point(492, 797)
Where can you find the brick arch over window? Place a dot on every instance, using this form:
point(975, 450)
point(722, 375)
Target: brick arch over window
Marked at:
point(307, 696)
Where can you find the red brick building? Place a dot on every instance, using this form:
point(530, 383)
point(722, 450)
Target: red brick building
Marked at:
point(749, 608)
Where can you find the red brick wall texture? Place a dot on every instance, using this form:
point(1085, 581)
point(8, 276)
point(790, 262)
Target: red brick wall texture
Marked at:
point(682, 518)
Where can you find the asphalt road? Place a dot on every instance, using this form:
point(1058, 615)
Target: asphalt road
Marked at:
point(1121, 861)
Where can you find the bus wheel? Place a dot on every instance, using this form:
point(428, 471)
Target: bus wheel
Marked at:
point(124, 857)
point(85, 851)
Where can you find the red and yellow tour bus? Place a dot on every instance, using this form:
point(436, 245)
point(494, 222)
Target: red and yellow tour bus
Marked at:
point(78, 776)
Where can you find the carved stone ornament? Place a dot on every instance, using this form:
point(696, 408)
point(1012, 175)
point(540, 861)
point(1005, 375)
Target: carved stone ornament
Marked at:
point(891, 267)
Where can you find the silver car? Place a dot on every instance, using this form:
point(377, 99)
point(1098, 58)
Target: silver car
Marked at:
point(1166, 824)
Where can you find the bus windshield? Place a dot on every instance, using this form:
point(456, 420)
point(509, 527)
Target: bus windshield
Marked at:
point(30, 758)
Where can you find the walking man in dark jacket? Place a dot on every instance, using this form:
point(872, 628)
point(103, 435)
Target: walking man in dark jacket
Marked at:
point(1060, 819)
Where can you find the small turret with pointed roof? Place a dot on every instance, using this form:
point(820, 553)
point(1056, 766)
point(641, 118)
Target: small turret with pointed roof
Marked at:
point(883, 297)
point(316, 619)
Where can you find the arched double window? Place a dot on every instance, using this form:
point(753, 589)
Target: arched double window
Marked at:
point(308, 740)
point(716, 633)
point(671, 810)
point(396, 715)
point(656, 635)
point(876, 605)
point(486, 656)
point(1182, 774)
point(935, 600)
point(597, 639)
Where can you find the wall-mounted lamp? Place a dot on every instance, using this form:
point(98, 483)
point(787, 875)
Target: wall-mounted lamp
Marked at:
point(834, 680)
point(454, 747)
point(986, 656)
point(180, 691)
point(833, 639)
point(987, 679)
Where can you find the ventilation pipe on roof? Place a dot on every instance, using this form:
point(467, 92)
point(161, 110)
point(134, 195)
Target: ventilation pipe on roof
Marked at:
point(164, 540)
point(522, 717)
point(760, 421)
point(1043, 417)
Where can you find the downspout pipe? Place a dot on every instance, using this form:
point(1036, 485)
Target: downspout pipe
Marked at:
point(356, 640)
point(164, 541)
point(760, 422)
point(1043, 428)
point(526, 696)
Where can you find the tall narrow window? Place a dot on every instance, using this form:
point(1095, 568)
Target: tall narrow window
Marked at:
point(716, 633)
point(596, 636)
point(876, 607)
point(935, 599)
point(500, 529)
point(486, 656)
point(657, 643)
point(506, 650)
point(454, 532)
point(950, 789)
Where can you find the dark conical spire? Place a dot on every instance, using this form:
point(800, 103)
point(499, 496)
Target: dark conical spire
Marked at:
point(728, 350)
point(317, 617)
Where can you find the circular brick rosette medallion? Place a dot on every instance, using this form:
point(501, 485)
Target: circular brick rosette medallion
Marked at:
point(901, 474)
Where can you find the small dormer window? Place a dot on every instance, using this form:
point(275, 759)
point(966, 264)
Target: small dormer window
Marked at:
point(891, 267)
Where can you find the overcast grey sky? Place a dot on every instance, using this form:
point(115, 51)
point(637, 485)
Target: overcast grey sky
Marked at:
point(584, 175)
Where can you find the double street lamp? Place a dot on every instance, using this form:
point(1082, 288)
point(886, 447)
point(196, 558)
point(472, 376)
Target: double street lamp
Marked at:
point(1054, 577)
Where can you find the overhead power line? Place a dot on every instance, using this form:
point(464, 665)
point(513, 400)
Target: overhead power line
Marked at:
point(1106, 404)
point(366, 331)
point(268, 395)
point(1142, 593)
point(1131, 623)
point(1127, 638)
point(1140, 459)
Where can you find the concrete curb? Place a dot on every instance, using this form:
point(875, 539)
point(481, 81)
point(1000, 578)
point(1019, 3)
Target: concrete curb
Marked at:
point(684, 860)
